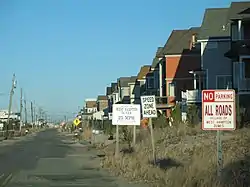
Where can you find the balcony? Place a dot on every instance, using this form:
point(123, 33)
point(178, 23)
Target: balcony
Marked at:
point(191, 96)
point(241, 76)
point(238, 48)
point(244, 85)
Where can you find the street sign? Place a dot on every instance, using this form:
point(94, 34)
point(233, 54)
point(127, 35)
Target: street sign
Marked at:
point(126, 114)
point(148, 106)
point(76, 122)
point(218, 110)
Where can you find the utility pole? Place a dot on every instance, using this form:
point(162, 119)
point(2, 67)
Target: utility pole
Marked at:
point(40, 116)
point(34, 114)
point(21, 109)
point(32, 118)
point(25, 110)
point(36, 119)
point(13, 86)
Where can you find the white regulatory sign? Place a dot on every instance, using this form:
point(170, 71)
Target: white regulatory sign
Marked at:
point(126, 114)
point(148, 106)
point(218, 110)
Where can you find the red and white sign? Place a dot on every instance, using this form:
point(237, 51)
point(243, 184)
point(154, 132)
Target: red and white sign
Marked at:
point(218, 110)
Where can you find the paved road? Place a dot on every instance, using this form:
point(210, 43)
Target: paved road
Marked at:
point(50, 159)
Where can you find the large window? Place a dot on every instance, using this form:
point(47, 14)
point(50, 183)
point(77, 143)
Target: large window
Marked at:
point(246, 67)
point(235, 32)
point(224, 81)
point(171, 88)
point(150, 82)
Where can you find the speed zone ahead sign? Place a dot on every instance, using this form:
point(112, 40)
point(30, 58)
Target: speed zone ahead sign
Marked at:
point(218, 110)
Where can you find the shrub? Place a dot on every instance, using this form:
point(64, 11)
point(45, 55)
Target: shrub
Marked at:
point(127, 135)
point(176, 113)
point(193, 115)
point(160, 121)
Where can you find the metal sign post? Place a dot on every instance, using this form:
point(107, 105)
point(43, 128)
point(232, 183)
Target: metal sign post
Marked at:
point(149, 111)
point(117, 142)
point(219, 154)
point(218, 113)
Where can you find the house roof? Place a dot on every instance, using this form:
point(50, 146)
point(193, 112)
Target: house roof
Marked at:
point(102, 97)
point(124, 81)
point(158, 52)
point(113, 86)
point(108, 90)
point(239, 10)
point(91, 104)
point(215, 24)
point(155, 61)
point(143, 72)
point(178, 41)
point(133, 78)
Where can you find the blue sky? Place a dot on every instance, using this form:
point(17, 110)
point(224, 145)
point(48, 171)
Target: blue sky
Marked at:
point(63, 51)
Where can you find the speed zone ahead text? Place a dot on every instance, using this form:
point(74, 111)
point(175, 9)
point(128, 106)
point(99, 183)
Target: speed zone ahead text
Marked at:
point(148, 106)
point(218, 110)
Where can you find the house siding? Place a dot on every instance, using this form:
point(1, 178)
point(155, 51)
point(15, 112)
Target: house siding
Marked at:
point(124, 92)
point(156, 81)
point(214, 61)
point(177, 72)
point(134, 90)
point(102, 104)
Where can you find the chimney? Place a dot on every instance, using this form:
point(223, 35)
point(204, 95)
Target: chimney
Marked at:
point(193, 40)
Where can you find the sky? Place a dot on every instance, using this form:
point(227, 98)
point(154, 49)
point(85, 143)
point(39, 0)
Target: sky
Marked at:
point(64, 51)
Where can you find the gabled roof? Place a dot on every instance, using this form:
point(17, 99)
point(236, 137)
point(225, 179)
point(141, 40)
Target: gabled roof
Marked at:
point(143, 72)
point(108, 90)
point(113, 86)
point(91, 104)
point(178, 41)
point(102, 97)
point(215, 24)
point(239, 10)
point(155, 61)
point(124, 81)
point(158, 52)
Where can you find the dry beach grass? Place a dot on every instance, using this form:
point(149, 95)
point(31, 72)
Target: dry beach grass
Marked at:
point(186, 157)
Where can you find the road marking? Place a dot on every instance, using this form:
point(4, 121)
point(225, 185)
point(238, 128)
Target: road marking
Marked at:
point(6, 180)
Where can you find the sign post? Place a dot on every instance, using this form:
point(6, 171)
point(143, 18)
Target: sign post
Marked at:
point(125, 114)
point(218, 113)
point(149, 111)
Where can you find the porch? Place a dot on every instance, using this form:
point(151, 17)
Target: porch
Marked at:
point(241, 78)
point(191, 96)
point(164, 102)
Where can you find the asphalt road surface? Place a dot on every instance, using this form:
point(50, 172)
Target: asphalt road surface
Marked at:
point(50, 159)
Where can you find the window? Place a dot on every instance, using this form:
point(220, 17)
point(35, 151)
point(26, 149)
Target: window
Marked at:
point(171, 88)
point(235, 32)
point(224, 81)
point(246, 30)
point(246, 67)
point(211, 45)
point(150, 82)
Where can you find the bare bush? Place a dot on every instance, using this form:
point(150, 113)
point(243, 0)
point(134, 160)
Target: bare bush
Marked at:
point(186, 156)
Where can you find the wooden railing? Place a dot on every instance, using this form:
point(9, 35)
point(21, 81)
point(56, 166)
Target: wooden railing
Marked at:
point(161, 102)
